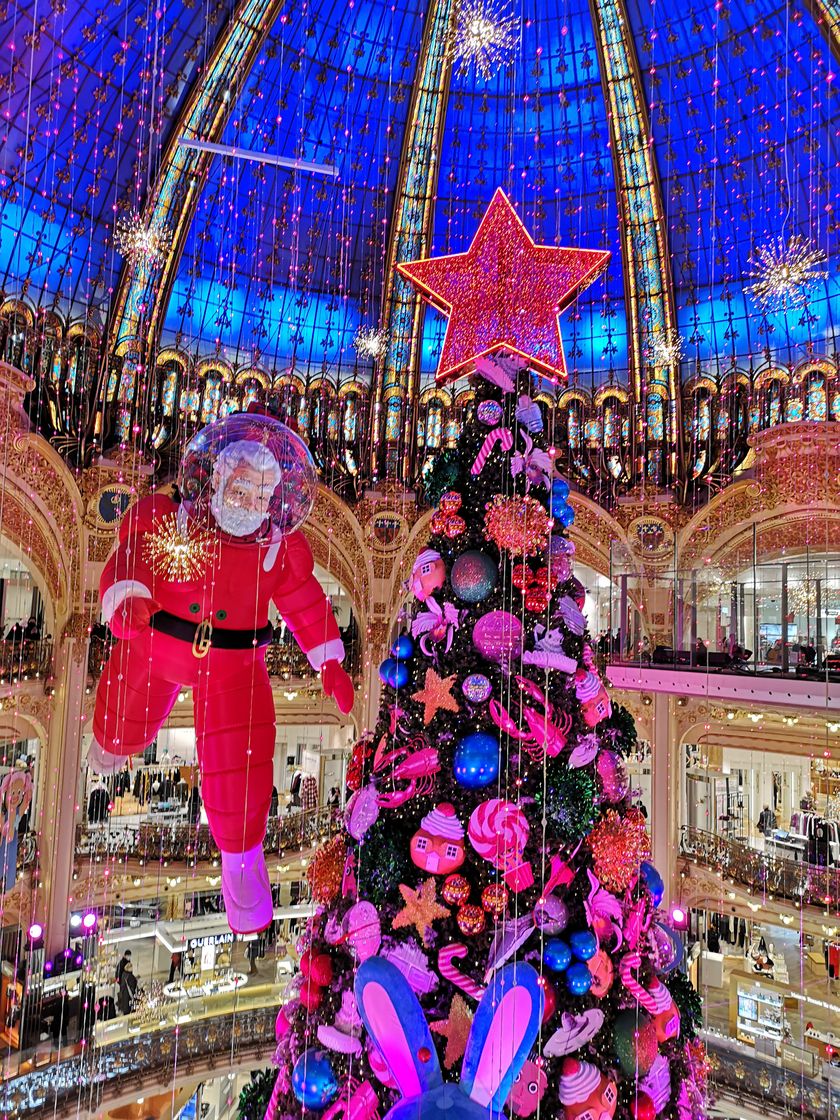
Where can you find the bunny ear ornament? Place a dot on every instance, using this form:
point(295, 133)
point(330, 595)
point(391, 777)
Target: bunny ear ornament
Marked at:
point(505, 1028)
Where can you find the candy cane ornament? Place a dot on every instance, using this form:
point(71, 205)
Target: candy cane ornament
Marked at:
point(627, 971)
point(498, 435)
point(449, 972)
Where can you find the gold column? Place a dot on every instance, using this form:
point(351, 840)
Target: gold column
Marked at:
point(62, 769)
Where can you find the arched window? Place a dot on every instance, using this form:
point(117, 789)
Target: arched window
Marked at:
point(350, 424)
point(816, 402)
point(212, 397)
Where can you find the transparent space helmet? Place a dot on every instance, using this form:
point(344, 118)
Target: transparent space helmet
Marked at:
point(249, 475)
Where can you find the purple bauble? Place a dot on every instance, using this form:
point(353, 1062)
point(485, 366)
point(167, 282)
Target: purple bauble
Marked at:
point(477, 688)
point(613, 778)
point(498, 636)
point(551, 915)
point(489, 413)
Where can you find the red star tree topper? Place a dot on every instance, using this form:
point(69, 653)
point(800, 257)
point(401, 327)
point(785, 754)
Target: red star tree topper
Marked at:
point(504, 293)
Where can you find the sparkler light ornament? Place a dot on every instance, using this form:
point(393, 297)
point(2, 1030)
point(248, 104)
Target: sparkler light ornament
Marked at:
point(370, 342)
point(784, 273)
point(176, 555)
point(665, 349)
point(144, 245)
point(485, 37)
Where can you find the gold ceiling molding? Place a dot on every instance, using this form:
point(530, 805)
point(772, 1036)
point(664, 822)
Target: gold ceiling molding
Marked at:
point(791, 501)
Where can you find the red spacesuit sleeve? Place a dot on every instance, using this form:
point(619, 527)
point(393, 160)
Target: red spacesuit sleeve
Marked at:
point(303, 604)
point(126, 572)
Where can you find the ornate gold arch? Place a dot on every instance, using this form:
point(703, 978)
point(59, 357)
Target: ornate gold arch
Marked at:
point(41, 509)
point(595, 534)
point(337, 543)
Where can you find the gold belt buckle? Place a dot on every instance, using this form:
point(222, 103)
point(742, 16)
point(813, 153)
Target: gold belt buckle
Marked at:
point(201, 641)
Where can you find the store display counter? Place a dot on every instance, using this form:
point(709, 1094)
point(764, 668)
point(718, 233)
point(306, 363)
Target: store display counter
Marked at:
point(198, 989)
point(756, 1010)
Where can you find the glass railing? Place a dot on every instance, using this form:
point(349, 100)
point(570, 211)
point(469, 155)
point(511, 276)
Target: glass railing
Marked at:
point(774, 618)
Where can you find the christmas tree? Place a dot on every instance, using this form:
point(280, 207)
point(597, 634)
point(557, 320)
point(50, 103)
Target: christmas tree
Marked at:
point(490, 824)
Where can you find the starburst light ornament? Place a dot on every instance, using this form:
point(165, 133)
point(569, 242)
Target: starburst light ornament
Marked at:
point(485, 37)
point(371, 342)
point(144, 245)
point(665, 348)
point(175, 554)
point(785, 272)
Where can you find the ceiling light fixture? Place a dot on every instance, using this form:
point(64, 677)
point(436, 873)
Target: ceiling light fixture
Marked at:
point(371, 342)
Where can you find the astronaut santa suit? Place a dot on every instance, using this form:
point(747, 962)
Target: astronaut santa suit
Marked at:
point(209, 632)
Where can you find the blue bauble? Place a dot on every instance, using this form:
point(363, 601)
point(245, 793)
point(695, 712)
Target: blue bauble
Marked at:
point(393, 672)
point(476, 761)
point(583, 944)
point(474, 576)
point(556, 954)
point(559, 494)
point(578, 979)
point(313, 1080)
point(403, 648)
point(653, 882)
point(565, 515)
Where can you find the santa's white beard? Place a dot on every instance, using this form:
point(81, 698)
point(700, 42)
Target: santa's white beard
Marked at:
point(237, 522)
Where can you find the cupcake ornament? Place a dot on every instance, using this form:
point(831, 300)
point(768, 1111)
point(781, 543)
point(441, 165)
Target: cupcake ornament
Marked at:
point(586, 1093)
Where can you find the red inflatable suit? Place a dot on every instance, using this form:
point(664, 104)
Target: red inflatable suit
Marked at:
point(209, 633)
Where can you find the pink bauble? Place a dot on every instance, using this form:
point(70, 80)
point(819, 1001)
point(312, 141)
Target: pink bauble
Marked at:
point(364, 930)
point(362, 811)
point(498, 636)
point(282, 1024)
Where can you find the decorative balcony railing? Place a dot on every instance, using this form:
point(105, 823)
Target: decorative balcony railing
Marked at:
point(232, 1040)
point(80, 1084)
point(192, 843)
point(802, 883)
point(25, 660)
point(765, 1087)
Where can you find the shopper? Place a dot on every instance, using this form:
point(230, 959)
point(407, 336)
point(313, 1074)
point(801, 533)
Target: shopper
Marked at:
point(128, 990)
point(767, 821)
point(175, 965)
point(123, 963)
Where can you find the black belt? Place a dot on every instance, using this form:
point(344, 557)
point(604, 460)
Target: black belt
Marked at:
point(203, 635)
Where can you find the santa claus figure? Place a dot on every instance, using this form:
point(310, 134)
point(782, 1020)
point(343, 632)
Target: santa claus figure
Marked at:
point(187, 592)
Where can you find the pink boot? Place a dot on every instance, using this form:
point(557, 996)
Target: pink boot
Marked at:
point(247, 891)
